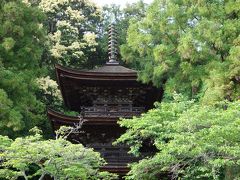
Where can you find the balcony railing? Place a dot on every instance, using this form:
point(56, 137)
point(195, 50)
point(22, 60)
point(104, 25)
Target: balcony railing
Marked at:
point(112, 111)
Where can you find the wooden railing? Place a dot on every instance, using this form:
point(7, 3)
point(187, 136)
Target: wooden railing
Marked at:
point(112, 111)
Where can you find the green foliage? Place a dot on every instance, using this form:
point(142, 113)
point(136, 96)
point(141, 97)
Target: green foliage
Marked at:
point(188, 46)
point(70, 41)
point(193, 141)
point(21, 46)
point(71, 30)
point(57, 158)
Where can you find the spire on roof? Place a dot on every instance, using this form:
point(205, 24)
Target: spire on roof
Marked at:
point(112, 45)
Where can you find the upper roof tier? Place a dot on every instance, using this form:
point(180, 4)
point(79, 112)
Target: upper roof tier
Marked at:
point(113, 68)
point(82, 87)
point(110, 71)
point(108, 88)
point(107, 72)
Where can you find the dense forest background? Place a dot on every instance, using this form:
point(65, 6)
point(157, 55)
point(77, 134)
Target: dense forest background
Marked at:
point(190, 48)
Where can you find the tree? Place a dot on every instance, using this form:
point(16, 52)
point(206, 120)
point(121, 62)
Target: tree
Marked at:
point(32, 157)
point(71, 41)
point(193, 141)
point(21, 46)
point(71, 30)
point(191, 47)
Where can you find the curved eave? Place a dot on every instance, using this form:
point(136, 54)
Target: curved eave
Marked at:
point(90, 75)
point(59, 118)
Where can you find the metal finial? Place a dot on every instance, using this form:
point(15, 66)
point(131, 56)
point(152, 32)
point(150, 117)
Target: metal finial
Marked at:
point(112, 45)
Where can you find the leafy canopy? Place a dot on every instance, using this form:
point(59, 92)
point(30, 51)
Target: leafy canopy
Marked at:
point(21, 45)
point(188, 46)
point(71, 30)
point(33, 157)
point(193, 141)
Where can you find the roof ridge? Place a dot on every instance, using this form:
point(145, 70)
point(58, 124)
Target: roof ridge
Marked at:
point(110, 68)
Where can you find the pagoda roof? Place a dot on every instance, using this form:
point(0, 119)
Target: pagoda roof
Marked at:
point(74, 84)
point(113, 68)
point(106, 72)
point(60, 118)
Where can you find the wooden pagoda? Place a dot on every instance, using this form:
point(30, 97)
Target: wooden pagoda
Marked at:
point(102, 96)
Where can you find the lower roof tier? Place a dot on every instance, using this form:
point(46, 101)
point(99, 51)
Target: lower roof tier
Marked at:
point(98, 133)
point(62, 119)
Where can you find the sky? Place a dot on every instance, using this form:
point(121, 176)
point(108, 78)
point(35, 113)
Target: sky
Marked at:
point(119, 2)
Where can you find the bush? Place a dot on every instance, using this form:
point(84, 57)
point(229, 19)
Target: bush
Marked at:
point(32, 157)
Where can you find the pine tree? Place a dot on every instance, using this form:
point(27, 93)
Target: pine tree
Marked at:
point(21, 45)
point(190, 47)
